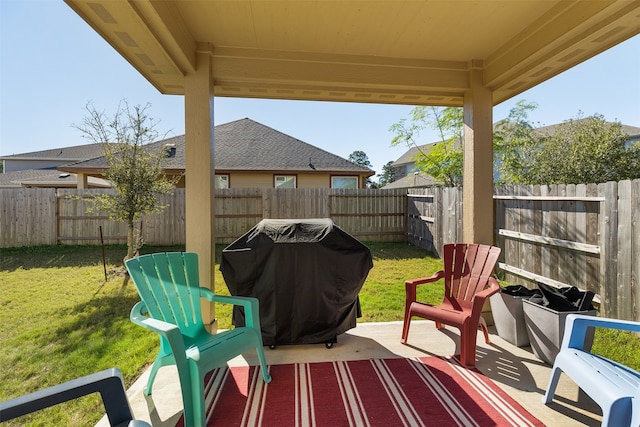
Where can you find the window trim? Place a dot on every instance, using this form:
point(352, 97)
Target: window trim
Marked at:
point(222, 175)
point(357, 179)
point(295, 180)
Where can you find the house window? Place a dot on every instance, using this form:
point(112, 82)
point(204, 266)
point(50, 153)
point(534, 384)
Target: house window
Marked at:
point(285, 181)
point(344, 182)
point(222, 181)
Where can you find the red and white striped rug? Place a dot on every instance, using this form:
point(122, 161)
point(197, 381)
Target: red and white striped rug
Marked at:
point(429, 391)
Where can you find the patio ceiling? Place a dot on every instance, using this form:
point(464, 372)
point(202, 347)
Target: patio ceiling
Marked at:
point(388, 52)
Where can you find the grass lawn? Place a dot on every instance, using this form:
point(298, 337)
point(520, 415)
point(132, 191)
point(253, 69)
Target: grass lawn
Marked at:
point(60, 319)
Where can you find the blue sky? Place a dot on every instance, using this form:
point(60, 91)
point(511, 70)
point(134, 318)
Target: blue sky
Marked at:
point(52, 64)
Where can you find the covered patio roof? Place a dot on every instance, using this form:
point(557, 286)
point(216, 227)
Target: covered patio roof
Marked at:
point(473, 54)
point(401, 52)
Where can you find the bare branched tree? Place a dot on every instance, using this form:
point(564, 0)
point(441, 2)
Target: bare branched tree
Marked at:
point(135, 169)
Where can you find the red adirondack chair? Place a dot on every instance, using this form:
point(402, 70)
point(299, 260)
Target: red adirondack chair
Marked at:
point(468, 283)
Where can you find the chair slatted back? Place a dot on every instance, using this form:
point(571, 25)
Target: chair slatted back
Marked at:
point(168, 284)
point(467, 269)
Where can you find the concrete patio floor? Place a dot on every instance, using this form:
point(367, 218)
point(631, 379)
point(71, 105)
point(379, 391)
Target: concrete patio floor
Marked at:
point(514, 369)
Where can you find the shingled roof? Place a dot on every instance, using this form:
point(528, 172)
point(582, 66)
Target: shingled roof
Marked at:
point(65, 154)
point(44, 178)
point(14, 179)
point(409, 156)
point(246, 145)
point(414, 180)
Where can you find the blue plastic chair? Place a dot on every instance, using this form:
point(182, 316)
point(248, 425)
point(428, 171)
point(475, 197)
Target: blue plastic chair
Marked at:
point(168, 284)
point(613, 386)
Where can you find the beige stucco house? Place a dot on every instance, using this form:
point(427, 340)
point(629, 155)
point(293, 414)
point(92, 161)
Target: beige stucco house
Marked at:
point(249, 154)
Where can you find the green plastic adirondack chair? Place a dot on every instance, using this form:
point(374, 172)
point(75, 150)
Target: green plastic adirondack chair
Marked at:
point(168, 284)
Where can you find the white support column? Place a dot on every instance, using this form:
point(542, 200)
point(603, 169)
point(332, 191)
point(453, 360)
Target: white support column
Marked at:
point(478, 216)
point(199, 179)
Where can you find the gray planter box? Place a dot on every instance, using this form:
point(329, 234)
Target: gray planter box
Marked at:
point(508, 318)
point(545, 328)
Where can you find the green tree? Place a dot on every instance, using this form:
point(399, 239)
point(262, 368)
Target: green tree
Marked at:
point(444, 160)
point(513, 141)
point(360, 158)
point(634, 161)
point(388, 174)
point(135, 171)
point(580, 150)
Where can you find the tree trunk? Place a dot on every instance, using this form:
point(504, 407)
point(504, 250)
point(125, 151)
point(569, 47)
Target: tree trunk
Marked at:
point(130, 242)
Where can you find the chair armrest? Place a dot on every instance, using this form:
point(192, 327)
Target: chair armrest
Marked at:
point(225, 299)
point(421, 280)
point(250, 304)
point(411, 285)
point(480, 297)
point(170, 332)
point(139, 317)
point(576, 328)
point(108, 383)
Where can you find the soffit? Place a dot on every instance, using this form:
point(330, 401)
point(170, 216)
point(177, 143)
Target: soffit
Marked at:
point(405, 52)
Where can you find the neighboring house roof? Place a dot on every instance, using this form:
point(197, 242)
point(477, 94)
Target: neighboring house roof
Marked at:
point(174, 163)
point(38, 168)
point(44, 178)
point(246, 145)
point(411, 181)
point(409, 156)
point(14, 179)
point(65, 154)
point(631, 131)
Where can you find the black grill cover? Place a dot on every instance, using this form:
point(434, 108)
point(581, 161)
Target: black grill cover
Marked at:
point(306, 274)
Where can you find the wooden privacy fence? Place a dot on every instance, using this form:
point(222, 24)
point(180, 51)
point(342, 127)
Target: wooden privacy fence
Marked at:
point(46, 216)
point(580, 235)
point(370, 215)
point(434, 217)
point(27, 217)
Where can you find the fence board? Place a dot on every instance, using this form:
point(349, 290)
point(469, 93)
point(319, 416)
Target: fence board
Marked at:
point(511, 247)
point(570, 258)
point(437, 227)
point(609, 262)
point(545, 230)
point(499, 222)
point(635, 249)
point(592, 236)
point(563, 258)
point(579, 230)
point(625, 245)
